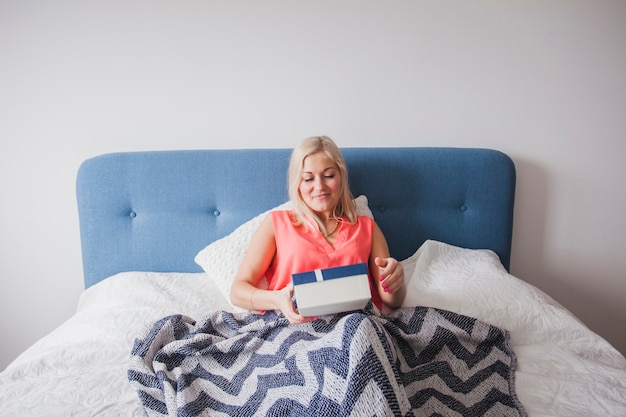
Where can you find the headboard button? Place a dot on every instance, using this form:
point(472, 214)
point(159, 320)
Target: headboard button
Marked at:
point(216, 213)
point(463, 207)
point(132, 214)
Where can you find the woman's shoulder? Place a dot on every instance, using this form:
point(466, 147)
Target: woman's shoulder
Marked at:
point(283, 213)
point(283, 216)
point(365, 219)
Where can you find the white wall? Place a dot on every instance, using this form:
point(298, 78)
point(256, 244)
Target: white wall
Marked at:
point(540, 80)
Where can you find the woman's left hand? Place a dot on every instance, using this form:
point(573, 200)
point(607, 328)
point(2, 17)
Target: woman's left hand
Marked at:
point(391, 274)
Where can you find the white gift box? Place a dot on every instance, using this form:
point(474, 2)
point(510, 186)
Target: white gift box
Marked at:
point(332, 290)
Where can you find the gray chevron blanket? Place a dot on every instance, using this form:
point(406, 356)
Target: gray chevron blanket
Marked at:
point(417, 361)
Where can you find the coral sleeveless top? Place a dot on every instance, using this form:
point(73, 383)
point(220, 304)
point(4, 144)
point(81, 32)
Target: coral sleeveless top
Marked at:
point(301, 249)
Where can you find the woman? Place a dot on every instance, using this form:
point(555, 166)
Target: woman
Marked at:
point(321, 231)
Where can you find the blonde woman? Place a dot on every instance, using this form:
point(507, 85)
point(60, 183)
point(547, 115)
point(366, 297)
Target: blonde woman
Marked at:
point(322, 230)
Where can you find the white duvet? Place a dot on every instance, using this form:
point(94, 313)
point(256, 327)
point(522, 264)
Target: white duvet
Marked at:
point(564, 369)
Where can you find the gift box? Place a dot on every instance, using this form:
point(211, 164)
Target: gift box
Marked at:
point(332, 290)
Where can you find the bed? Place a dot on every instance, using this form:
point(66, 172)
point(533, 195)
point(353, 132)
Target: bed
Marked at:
point(162, 233)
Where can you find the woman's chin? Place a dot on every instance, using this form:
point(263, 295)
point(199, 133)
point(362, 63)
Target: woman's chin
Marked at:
point(321, 208)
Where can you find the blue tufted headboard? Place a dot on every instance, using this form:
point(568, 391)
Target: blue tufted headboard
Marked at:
point(153, 211)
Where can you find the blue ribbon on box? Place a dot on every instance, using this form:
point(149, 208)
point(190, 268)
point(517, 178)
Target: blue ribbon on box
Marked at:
point(329, 273)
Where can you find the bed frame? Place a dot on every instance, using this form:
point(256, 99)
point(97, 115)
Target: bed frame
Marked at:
point(153, 211)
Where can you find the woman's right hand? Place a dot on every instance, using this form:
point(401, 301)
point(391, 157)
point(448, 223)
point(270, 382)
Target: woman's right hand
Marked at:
point(285, 305)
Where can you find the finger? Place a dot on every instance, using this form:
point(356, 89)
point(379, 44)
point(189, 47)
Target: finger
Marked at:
point(394, 281)
point(380, 262)
point(388, 268)
point(395, 284)
point(298, 319)
point(383, 268)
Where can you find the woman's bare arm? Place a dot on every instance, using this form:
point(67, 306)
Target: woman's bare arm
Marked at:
point(244, 292)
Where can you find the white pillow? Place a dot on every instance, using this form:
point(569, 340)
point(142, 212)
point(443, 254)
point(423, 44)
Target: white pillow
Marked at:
point(472, 282)
point(443, 275)
point(221, 259)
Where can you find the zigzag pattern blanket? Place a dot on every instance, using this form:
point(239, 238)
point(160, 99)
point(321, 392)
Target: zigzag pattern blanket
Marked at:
point(417, 361)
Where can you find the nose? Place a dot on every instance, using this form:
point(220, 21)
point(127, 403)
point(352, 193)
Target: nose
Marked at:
point(318, 184)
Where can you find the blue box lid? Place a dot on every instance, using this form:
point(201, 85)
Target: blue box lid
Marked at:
point(329, 273)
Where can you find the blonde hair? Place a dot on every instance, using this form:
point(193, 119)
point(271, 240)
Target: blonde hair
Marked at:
point(345, 206)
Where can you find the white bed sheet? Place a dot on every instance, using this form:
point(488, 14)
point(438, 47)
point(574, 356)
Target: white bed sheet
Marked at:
point(80, 368)
point(564, 369)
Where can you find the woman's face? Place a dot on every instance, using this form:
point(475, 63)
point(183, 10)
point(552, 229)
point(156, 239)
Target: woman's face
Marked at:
point(320, 184)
